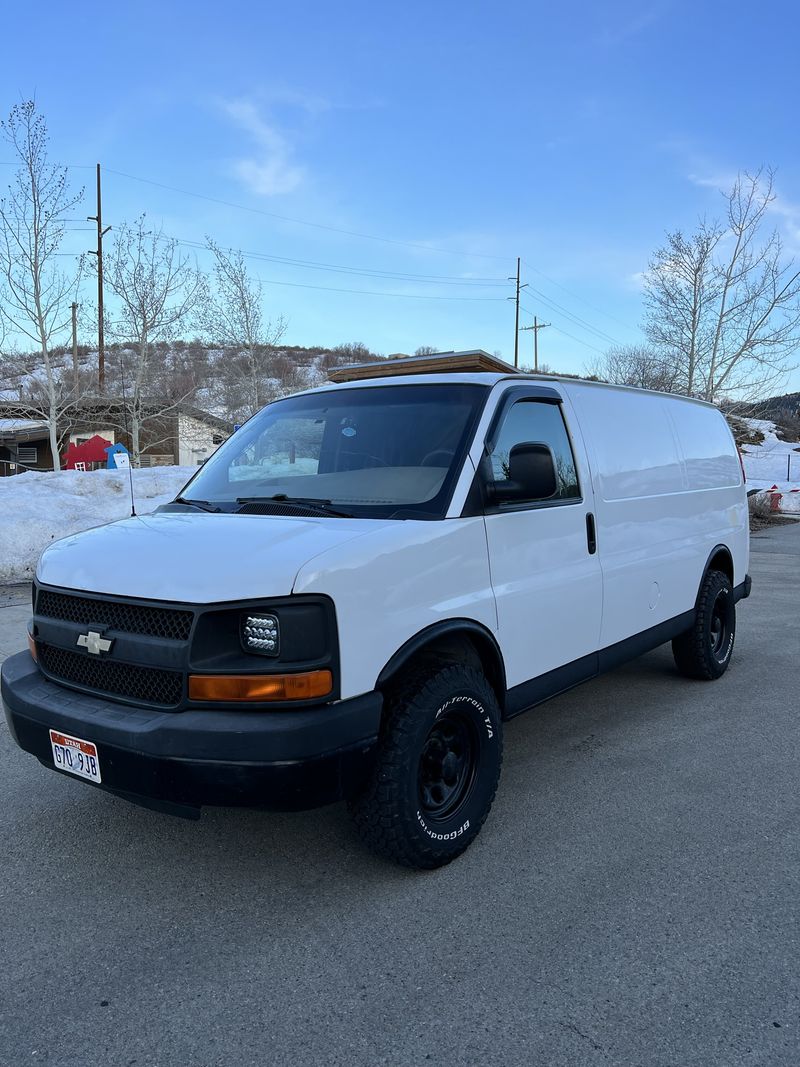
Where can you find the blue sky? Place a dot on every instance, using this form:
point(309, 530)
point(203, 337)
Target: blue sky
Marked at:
point(463, 134)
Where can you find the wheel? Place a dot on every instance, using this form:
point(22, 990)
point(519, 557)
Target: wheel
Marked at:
point(705, 650)
point(436, 769)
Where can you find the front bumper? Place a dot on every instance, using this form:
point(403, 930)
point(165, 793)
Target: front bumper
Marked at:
point(179, 761)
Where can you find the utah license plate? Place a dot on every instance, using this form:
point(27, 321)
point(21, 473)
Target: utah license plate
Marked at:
point(75, 756)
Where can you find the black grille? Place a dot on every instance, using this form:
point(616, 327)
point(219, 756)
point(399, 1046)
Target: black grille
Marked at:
point(151, 685)
point(116, 615)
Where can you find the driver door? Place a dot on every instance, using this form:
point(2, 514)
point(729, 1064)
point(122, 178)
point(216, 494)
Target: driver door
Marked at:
point(543, 553)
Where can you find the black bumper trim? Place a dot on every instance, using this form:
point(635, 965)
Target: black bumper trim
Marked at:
point(275, 759)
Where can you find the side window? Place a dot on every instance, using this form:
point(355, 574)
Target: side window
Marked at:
point(533, 420)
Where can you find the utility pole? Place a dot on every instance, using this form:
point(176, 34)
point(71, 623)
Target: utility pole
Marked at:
point(75, 348)
point(516, 316)
point(101, 340)
point(536, 327)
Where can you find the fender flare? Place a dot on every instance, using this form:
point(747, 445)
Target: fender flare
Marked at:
point(445, 628)
point(715, 552)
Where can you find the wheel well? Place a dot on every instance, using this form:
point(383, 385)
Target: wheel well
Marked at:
point(469, 646)
point(721, 560)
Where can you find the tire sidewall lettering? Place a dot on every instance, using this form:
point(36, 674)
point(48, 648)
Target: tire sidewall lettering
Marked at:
point(453, 835)
point(483, 715)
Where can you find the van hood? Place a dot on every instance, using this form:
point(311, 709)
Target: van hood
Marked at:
point(195, 558)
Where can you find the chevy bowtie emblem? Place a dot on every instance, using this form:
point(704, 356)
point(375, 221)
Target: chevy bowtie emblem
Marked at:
point(94, 642)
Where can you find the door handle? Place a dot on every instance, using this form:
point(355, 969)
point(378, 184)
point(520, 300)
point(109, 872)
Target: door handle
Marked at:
point(591, 533)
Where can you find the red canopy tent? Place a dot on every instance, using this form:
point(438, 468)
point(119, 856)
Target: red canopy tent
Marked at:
point(91, 451)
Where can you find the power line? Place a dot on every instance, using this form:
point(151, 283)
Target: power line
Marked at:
point(579, 341)
point(342, 268)
point(304, 222)
point(575, 296)
point(571, 336)
point(374, 292)
point(601, 334)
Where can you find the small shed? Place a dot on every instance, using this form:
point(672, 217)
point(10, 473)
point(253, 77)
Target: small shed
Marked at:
point(85, 457)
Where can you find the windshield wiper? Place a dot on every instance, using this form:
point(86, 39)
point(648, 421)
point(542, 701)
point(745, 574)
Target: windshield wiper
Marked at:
point(201, 505)
point(310, 502)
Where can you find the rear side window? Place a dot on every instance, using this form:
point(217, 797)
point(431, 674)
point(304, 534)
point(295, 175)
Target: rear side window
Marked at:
point(533, 420)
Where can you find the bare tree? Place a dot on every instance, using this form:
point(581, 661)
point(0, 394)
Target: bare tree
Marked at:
point(644, 366)
point(234, 317)
point(679, 291)
point(157, 290)
point(37, 290)
point(425, 350)
point(725, 303)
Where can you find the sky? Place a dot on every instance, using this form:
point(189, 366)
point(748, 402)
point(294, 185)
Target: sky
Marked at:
point(387, 164)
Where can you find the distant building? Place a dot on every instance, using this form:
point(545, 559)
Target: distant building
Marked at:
point(185, 435)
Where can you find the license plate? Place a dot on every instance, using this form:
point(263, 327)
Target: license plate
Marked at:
point(75, 756)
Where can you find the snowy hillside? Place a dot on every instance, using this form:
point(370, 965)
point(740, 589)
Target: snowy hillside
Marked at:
point(36, 509)
point(773, 463)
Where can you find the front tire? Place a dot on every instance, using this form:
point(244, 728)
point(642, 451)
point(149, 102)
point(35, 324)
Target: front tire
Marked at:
point(436, 769)
point(705, 651)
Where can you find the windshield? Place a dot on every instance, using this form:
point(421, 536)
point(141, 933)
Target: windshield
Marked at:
point(376, 451)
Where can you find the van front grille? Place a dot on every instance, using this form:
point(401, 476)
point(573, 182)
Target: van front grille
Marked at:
point(105, 676)
point(173, 624)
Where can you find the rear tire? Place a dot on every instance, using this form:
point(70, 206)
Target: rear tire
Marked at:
point(705, 651)
point(436, 769)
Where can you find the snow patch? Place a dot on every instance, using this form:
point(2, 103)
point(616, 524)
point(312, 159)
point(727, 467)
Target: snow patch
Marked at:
point(773, 463)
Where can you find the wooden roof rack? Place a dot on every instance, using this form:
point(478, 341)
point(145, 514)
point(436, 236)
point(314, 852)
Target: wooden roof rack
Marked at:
point(437, 363)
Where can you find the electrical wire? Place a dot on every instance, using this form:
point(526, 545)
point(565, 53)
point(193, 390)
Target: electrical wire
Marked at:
point(342, 268)
point(571, 336)
point(368, 272)
point(304, 222)
point(575, 296)
point(576, 319)
point(373, 292)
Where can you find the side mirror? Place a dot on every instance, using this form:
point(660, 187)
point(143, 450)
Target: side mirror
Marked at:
point(531, 475)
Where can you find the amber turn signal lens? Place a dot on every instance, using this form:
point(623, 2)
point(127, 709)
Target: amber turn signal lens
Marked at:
point(32, 648)
point(243, 687)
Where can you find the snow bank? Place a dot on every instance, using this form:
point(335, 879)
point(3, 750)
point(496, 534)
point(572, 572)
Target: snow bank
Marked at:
point(38, 508)
point(768, 464)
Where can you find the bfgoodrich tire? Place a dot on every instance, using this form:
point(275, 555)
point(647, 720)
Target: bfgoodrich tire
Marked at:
point(436, 770)
point(705, 651)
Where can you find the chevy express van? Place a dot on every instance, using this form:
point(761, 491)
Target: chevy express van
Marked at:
point(367, 579)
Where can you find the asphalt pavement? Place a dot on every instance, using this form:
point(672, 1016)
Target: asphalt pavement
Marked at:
point(633, 898)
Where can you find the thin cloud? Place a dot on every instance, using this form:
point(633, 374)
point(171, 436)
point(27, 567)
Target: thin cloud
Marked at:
point(788, 211)
point(618, 33)
point(271, 170)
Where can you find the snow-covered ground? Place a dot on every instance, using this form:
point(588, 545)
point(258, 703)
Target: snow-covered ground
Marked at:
point(38, 508)
point(773, 463)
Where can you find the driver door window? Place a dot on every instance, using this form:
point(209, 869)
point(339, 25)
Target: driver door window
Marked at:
point(533, 420)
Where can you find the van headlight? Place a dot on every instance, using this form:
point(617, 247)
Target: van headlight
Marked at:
point(261, 634)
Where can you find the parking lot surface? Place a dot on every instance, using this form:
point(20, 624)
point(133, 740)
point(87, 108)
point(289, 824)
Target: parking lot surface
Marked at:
point(633, 898)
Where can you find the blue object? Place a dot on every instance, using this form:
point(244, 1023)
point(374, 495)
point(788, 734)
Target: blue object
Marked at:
point(112, 452)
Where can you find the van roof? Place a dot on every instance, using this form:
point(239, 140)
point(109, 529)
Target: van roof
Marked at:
point(474, 366)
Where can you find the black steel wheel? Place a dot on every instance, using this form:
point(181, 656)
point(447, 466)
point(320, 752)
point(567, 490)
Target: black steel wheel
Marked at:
point(436, 768)
point(705, 651)
point(447, 765)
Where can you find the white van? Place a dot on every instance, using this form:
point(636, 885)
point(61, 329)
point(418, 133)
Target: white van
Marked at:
point(351, 596)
